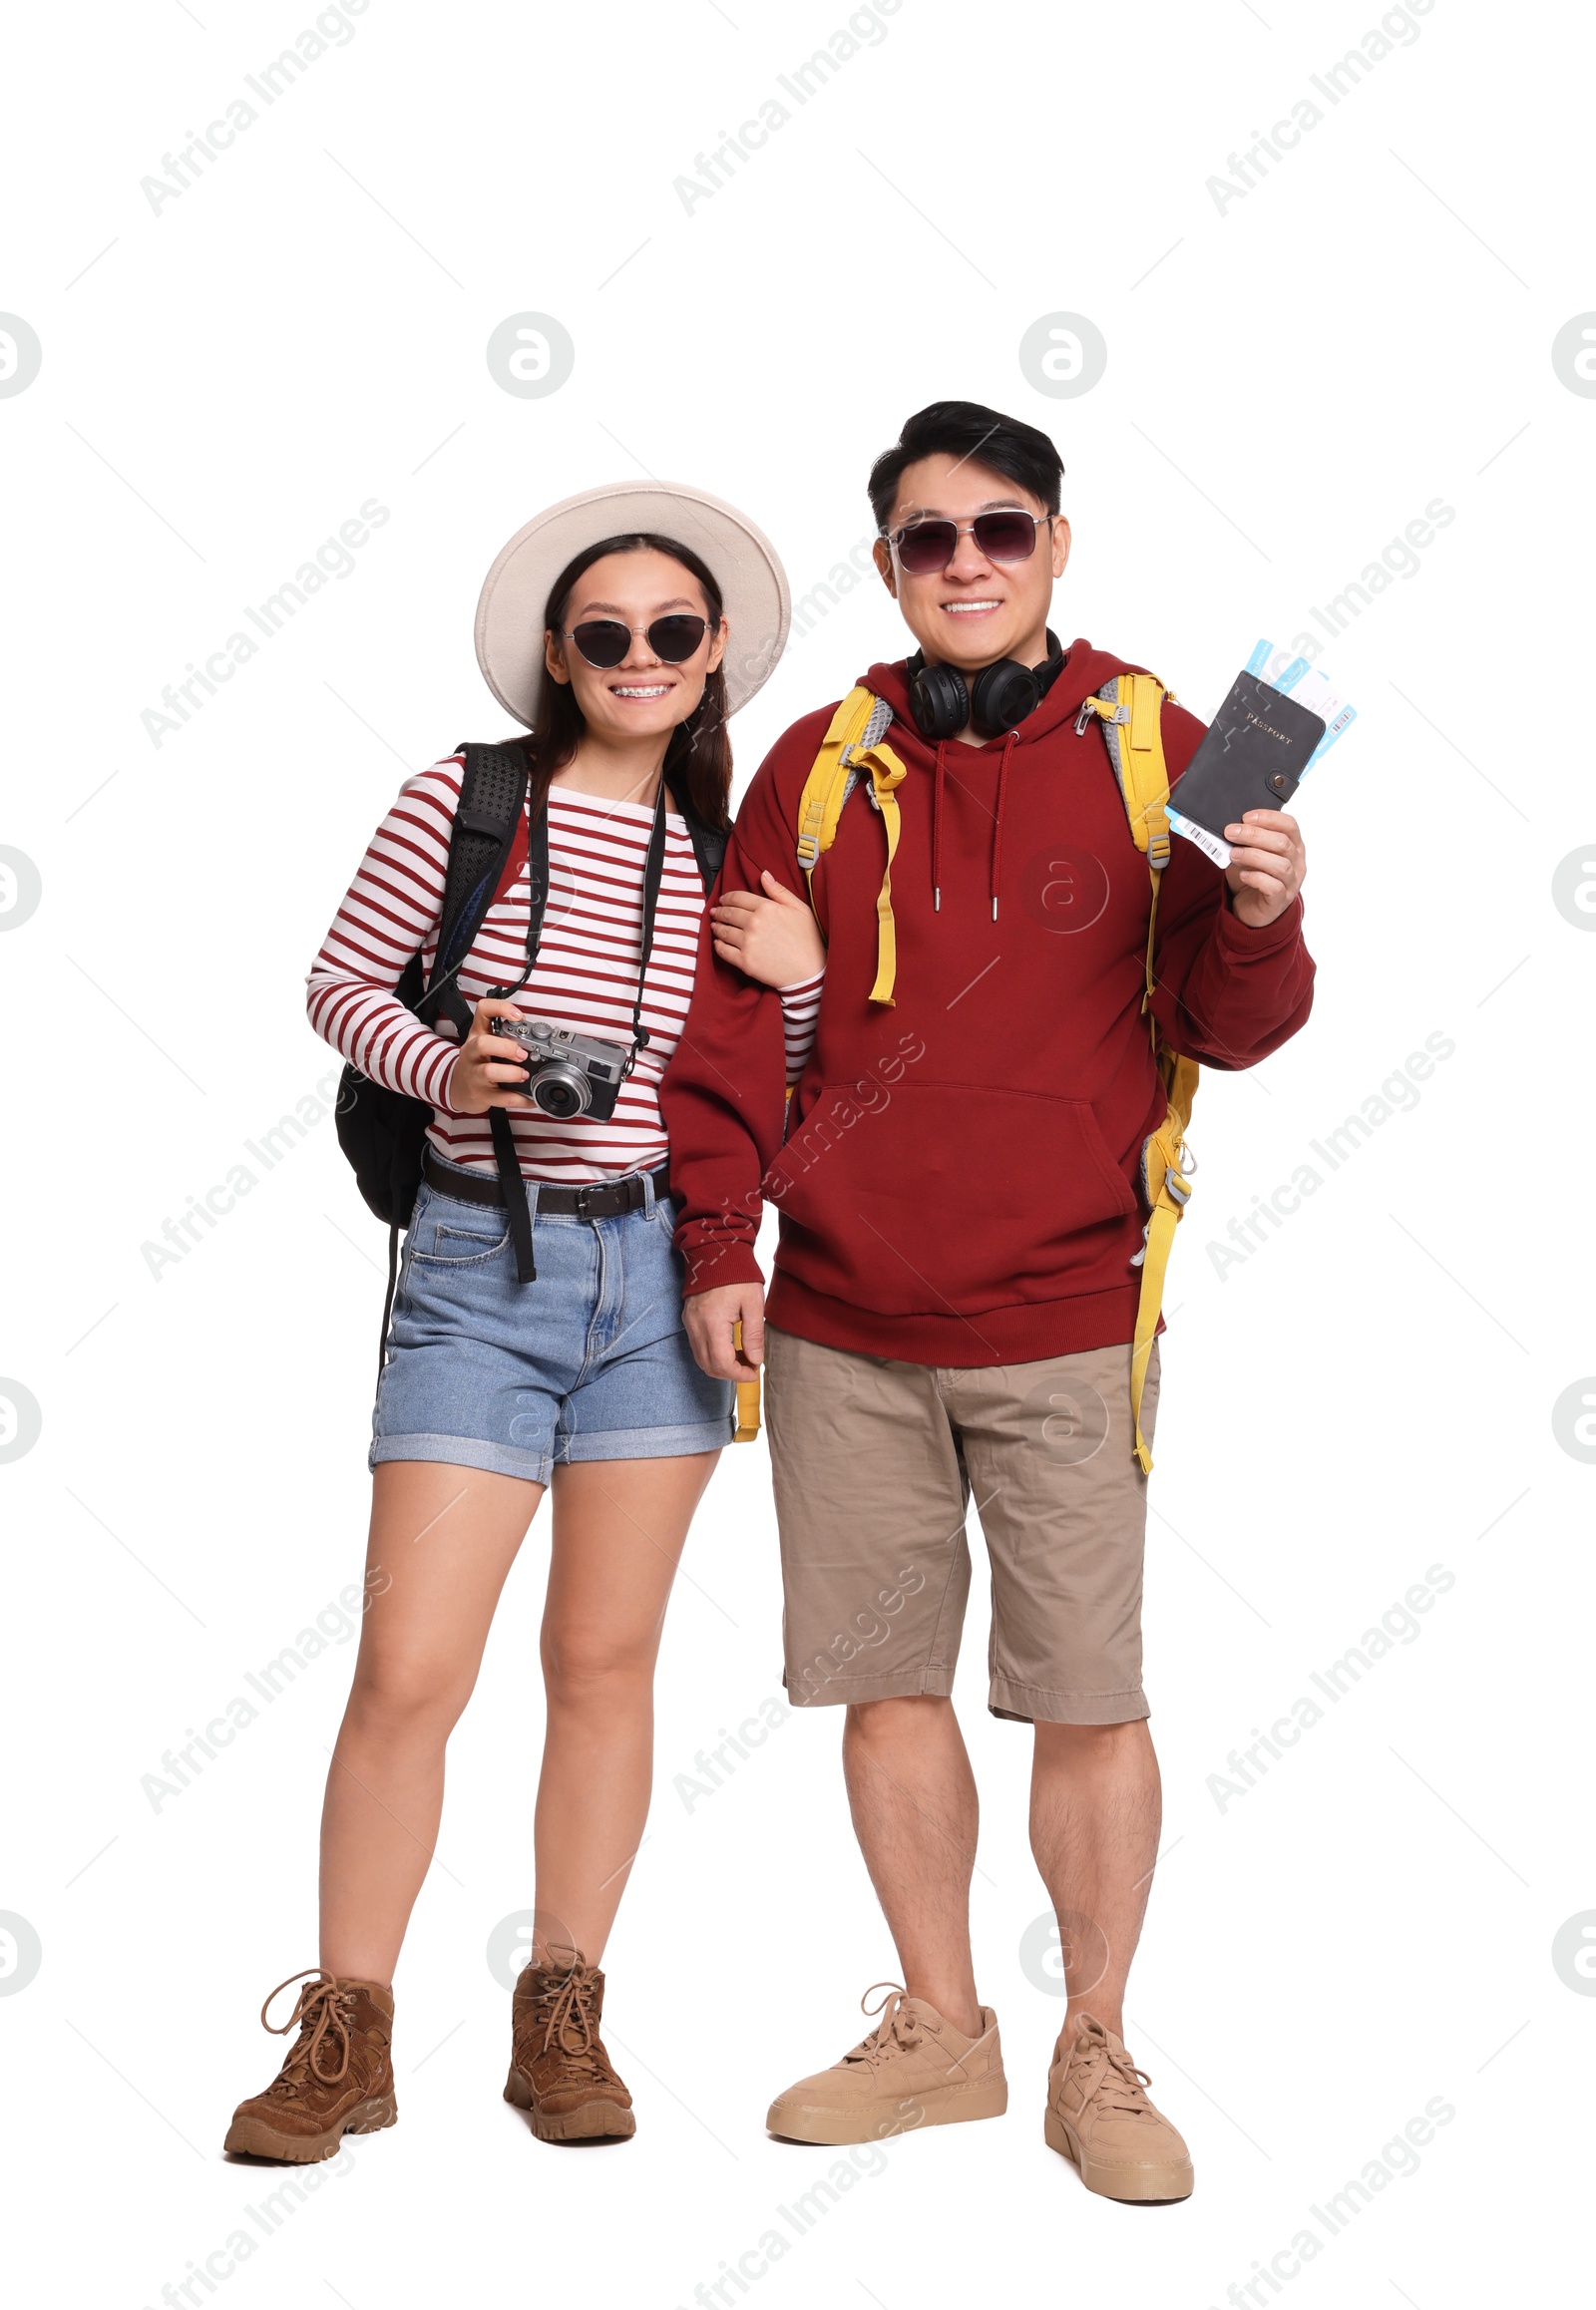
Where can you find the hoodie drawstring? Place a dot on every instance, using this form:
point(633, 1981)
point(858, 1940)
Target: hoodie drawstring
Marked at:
point(936, 830)
point(1009, 744)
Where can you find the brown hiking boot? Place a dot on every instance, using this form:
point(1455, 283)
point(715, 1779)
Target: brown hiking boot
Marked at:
point(1099, 2116)
point(914, 2070)
point(337, 2077)
point(560, 2072)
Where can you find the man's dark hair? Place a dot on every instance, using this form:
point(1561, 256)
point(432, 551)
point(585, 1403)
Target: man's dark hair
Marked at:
point(964, 429)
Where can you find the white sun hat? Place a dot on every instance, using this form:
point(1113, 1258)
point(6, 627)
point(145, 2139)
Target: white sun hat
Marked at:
point(741, 559)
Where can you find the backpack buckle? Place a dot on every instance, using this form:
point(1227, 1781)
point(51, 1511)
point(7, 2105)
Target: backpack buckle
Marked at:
point(1120, 712)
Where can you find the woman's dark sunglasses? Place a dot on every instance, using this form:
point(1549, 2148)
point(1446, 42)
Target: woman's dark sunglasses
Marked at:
point(923, 546)
point(604, 642)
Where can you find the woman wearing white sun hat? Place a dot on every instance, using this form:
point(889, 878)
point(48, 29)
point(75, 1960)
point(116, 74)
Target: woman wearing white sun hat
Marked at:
point(536, 1337)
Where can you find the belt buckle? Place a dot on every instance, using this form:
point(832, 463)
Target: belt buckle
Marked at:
point(583, 1194)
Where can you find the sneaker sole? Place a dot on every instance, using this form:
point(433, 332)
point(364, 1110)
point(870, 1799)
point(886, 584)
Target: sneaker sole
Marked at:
point(253, 2137)
point(943, 2105)
point(1131, 2186)
point(591, 2121)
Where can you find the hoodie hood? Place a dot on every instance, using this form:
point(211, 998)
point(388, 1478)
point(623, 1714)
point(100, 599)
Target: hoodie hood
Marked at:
point(1084, 669)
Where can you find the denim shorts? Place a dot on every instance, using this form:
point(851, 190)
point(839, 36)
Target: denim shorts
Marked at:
point(589, 1363)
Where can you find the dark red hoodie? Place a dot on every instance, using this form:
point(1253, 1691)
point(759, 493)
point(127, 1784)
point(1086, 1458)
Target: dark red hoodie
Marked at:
point(958, 1180)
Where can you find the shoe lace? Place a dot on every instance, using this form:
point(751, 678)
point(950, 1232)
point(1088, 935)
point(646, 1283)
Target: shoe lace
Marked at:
point(571, 2024)
point(323, 2007)
point(1110, 2078)
point(897, 2031)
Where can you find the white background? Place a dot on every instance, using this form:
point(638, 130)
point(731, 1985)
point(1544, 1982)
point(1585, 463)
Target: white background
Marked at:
point(1290, 381)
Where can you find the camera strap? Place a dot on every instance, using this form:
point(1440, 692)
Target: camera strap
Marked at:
point(653, 874)
point(516, 1206)
point(537, 898)
point(517, 1209)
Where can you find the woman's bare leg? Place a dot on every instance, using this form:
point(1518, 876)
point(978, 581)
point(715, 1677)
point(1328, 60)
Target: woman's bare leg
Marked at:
point(442, 1541)
point(618, 1530)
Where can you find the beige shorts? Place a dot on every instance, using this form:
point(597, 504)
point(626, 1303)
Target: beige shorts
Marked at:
point(874, 1464)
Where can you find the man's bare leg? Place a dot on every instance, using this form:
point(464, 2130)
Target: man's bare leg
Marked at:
point(915, 1815)
point(1096, 1809)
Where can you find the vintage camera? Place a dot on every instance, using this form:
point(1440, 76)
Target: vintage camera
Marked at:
point(570, 1074)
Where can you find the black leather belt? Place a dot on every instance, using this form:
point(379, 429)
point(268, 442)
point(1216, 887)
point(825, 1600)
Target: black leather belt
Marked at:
point(606, 1199)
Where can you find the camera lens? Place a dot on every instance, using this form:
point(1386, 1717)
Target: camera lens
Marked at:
point(561, 1092)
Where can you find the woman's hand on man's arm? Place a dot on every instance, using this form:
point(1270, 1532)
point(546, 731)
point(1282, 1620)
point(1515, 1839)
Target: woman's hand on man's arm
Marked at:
point(774, 938)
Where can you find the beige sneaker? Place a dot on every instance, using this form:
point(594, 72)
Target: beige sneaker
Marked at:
point(914, 2070)
point(1099, 2115)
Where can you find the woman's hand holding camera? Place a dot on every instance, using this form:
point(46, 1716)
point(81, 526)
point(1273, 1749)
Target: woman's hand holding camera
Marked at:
point(487, 1065)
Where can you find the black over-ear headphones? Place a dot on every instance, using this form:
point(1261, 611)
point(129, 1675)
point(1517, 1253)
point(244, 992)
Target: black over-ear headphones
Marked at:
point(998, 698)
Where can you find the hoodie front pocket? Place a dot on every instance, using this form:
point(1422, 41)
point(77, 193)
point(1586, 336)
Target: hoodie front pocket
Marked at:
point(935, 1199)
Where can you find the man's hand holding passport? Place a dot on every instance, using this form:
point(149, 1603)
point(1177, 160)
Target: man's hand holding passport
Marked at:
point(1256, 750)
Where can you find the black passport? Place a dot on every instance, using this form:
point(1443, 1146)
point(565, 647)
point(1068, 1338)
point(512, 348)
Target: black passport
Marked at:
point(1254, 753)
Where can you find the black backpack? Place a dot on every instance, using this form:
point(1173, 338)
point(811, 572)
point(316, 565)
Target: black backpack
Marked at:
point(383, 1133)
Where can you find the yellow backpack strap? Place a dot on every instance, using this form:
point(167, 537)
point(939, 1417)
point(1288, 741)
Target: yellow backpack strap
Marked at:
point(747, 1427)
point(826, 787)
point(1130, 707)
point(851, 748)
point(1166, 1168)
point(887, 774)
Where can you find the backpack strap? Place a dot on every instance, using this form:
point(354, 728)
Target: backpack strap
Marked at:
point(745, 1427)
point(1166, 1165)
point(493, 792)
point(851, 749)
point(1130, 707)
point(493, 788)
point(708, 847)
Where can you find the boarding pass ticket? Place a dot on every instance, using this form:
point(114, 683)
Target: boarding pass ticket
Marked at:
point(1212, 845)
point(1310, 687)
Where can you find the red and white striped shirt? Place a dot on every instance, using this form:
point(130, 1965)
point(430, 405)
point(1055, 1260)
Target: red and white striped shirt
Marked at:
point(585, 976)
point(800, 1013)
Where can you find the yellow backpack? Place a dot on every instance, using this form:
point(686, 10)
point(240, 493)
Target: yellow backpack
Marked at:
point(1130, 706)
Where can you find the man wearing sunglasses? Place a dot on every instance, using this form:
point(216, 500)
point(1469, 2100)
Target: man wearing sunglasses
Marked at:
point(957, 1277)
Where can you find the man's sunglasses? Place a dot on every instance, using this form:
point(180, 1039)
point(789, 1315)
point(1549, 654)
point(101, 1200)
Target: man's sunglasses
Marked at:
point(604, 642)
point(923, 546)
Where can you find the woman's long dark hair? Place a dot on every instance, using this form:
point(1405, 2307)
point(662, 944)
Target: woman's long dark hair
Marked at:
point(698, 757)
